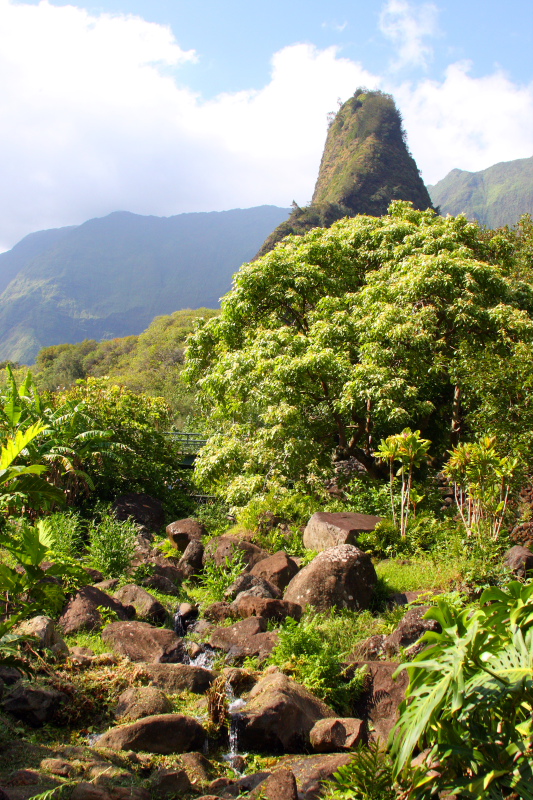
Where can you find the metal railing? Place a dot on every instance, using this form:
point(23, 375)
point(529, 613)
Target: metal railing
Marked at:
point(188, 443)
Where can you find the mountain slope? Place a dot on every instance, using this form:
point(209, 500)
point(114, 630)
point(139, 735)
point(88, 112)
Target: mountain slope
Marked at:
point(495, 196)
point(110, 277)
point(365, 165)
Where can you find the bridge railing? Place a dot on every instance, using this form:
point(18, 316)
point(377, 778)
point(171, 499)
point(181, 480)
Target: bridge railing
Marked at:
point(188, 443)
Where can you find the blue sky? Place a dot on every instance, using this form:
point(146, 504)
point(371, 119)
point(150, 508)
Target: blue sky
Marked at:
point(168, 106)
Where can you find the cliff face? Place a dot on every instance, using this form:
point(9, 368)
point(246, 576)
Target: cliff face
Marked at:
point(365, 165)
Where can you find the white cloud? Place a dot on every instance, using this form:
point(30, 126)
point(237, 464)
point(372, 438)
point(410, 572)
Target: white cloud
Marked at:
point(408, 27)
point(466, 122)
point(95, 119)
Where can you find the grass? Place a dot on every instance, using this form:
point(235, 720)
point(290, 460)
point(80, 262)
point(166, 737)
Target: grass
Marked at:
point(409, 575)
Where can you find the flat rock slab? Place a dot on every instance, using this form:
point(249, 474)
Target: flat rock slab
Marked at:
point(140, 641)
point(247, 638)
point(161, 733)
point(329, 529)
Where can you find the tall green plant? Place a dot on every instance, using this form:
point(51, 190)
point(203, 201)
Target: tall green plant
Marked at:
point(410, 449)
point(470, 700)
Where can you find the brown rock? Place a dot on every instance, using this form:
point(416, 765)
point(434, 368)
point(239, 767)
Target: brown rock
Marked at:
point(325, 530)
point(164, 567)
point(167, 782)
point(184, 531)
point(277, 610)
point(519, 560)
point(278, 570)
point(141, 701)
point(409, 631)
point(371, 649)
point(221, 548)
point(82, 612)
point(220, 611)
point(281, 785)
point(246, 638)
point(341, 577)
point(240, 680)
point(33, 706)
point(341, 733)
point(140, 641)
point(280, 715)
point(163, 734)
point(191, 562)
point(58, 766)
point(145, 605)
point(108, 585)
point(179, 677)
point(88, 791)
point(383, 695)
point(161, 584)
point(252, 584)
point(312, 772)
point(146, 511)
point(23, 777)
point(197, 766)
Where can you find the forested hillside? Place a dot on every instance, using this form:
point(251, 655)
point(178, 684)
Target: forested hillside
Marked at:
point(496, 196)
point(110, 277)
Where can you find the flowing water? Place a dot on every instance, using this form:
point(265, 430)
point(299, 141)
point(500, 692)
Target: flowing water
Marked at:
point(234, 707)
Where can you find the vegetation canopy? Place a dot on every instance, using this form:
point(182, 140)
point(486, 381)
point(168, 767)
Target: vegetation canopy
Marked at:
point(342, 337)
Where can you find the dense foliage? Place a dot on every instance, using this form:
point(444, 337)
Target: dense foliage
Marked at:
point(342, 337)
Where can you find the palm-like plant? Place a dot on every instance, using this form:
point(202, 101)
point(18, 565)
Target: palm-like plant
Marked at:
point(470, 699)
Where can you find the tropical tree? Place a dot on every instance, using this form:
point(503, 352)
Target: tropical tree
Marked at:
point(344, 336)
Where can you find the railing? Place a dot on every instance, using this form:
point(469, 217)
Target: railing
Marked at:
point(188, 446)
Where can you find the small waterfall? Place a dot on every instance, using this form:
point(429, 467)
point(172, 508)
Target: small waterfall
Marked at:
point(205, 659)
point(234, 707)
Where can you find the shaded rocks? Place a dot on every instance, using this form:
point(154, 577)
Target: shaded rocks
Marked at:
point(325, 529)
point(82, 612)
point(221, 548)
point(220, 611)
point(184, 531)
point(278, 570)
point(146, 607)
point(43, 629)
point(312, 772)
point(160, 583)
point(191, 562)
point(383, 694)
point(340, 733)
point(163, 734)
point(179, 677)
point(519, 560)
point(280, 785)
point(252, 584)
point(342, 576)
point(141, 701)
point(170, 783)
point(280, 715)
point(409, 631)
point(140, 641)
point(35, 707)
point(146, 511)
point(247, 638)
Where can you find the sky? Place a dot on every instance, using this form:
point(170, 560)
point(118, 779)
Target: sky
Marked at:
point(170, 106)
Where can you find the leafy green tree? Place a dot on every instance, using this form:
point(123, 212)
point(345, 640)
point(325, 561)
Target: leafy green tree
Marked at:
point(344, 336)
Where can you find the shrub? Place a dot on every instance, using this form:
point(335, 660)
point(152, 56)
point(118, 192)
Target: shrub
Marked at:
point(368, 776)
point(216, 579)
point(65, 529)
point(112, 545)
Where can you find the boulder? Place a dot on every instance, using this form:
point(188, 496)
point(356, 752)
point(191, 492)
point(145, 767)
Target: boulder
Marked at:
point(191, 562)
point(409, 631)
point(58, 766)
point(146, 511)
point(280, 785)
point(325, 530)
point(341, 577)
point(167, 568)
point(221, 548)
point(197, 766)
point(161, 584)
point(252, 584)
point(140, 641)
point(162, 734)
point(145, 605)
point(519, 560)
point(184, 531)
point(279, 716)
point(141, 701)
point(246, 638)
point(341, 733)
point(35, 707)
point(44, 630)
point(247, 605)
point(312, 772)
point(175, 678)
point(371, 649)
point(278, 570)
point(170, 783)
point(220, 611)
point(185, 617)
point(382, 696)
point(82, 612)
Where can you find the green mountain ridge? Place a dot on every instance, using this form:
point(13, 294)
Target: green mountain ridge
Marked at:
point(365, 165)
point(495, 196)
point(110, 277)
